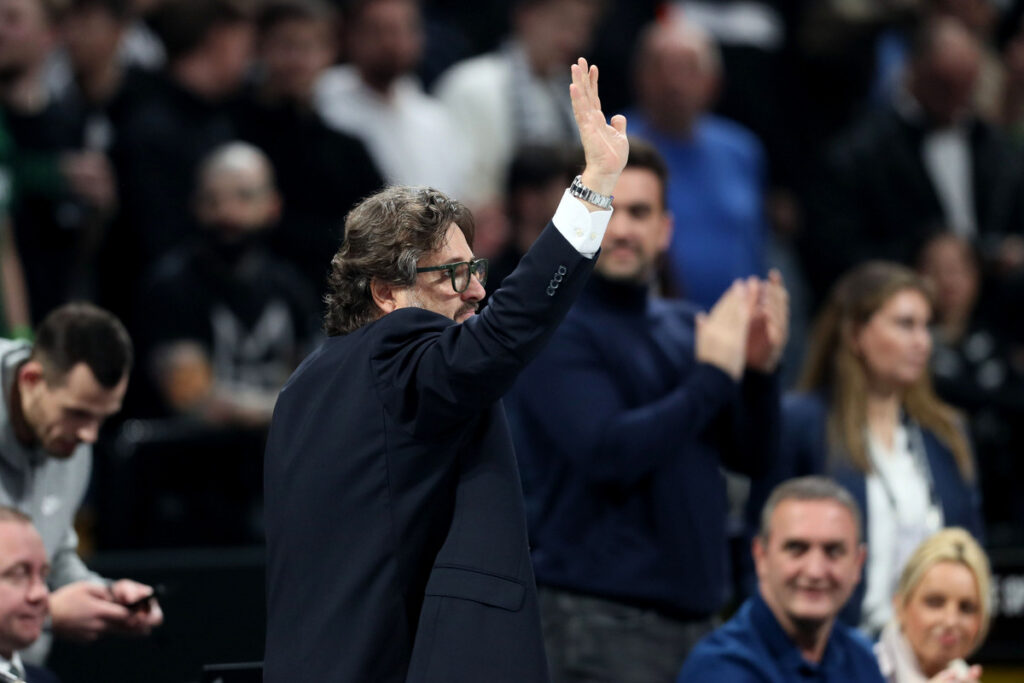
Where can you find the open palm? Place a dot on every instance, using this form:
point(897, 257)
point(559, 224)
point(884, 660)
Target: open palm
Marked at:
point(605, 146)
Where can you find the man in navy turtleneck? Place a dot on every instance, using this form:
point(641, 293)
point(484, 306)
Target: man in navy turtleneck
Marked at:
point(621, 427)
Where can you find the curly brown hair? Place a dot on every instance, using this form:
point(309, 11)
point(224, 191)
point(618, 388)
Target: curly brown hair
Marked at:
point(385, 237)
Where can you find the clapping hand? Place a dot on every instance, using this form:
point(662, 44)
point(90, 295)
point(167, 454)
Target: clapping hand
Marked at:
point(769, 325)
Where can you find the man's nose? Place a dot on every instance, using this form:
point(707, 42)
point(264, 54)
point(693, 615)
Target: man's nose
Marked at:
point(816, 564)
point(89, 433)
point(37, 589)
point(475, 291)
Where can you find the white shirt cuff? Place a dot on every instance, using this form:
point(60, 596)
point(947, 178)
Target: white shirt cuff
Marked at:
point(584, 229)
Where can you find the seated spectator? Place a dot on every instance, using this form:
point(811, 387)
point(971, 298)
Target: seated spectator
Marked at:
point(808, 555)
point(518, 95)
point(942, 608)
point(716, 167)
point(912, 167)
point(868, 416)
point(24, 596)
point(171, 130)
point(101, 81)
point(376, 97)
point(64, 193)
point(227, 320)
point(975, 368)
point(56, 395)
point(321, 172)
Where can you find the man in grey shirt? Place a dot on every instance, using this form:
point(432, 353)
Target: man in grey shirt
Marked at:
point(56, 394)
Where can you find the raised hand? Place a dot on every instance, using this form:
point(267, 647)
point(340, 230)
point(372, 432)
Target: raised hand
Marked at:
point(769, 326)
point(722, 333)
point(605, 146)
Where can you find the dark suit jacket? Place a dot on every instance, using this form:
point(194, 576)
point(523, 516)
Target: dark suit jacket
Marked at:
point(805, 451)
point(37, 674)
point(396, 539)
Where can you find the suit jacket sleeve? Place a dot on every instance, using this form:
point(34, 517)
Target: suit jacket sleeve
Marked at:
point(433, 374)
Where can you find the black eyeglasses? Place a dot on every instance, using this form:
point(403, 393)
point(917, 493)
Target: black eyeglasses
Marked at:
point(460, 272)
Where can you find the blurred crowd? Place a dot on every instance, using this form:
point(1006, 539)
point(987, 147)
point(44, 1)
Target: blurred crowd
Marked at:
point(188, 165)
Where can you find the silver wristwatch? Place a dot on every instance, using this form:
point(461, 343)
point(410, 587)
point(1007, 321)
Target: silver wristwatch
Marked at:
point(578, 189)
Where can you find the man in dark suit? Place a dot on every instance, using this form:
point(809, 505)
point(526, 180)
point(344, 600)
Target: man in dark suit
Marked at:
point(924, 163)
point(397, 547)
point(24, 595)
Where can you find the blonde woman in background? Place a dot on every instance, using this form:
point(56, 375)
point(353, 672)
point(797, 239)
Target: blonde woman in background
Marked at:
point(941, 612)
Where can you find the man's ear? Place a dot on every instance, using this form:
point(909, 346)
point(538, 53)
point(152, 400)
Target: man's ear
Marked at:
point(30, 374)
point(757, 550)
point(666, 228)
point(862, 554)
point(385, 295)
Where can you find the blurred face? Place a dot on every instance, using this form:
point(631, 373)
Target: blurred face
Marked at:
point(556, 33)
point(227, 52)
point(433, 290)
point(810, 563)
point(294, 53)
point(534, 206)
point(895, 343)
point(944, 82)
point(949, 266)
point(70, 412)
point(677, 80)
point(386, 40)
point(24, 597)
point(941, 618)
point(639, 230)
point(26, 36)
point(92, 37)
point(237, 200)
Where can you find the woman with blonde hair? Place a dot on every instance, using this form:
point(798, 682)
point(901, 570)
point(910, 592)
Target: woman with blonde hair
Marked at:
point(941, 612)
point(867, 415)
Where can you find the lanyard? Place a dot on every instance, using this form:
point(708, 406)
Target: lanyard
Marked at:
point(915, 444)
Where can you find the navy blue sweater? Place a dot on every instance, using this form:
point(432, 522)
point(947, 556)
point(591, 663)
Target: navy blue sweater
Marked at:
point(620, 436)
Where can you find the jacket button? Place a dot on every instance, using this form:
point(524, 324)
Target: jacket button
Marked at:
point(551, 291)
point(562, 270)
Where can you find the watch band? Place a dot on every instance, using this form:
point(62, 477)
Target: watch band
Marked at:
point(578, 189)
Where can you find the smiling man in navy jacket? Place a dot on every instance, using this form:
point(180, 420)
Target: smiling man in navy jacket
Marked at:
point(621, 427)
point(395, 530)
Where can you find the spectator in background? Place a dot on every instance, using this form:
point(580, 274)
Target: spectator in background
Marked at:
point(621, 427)
point(376, 97)
point(166, 134)
point(321, 172)
point(1011, 106)
point(808, 553)
point(868, 416)
point(536, 181)
point(716, 167)
point(976, 369)
point(234, 320)
point(56, 395)
point(517, 95)
point(942, 610)
point(102, 82)
point(64, 194)
point(916, 165)
point(24, 596)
